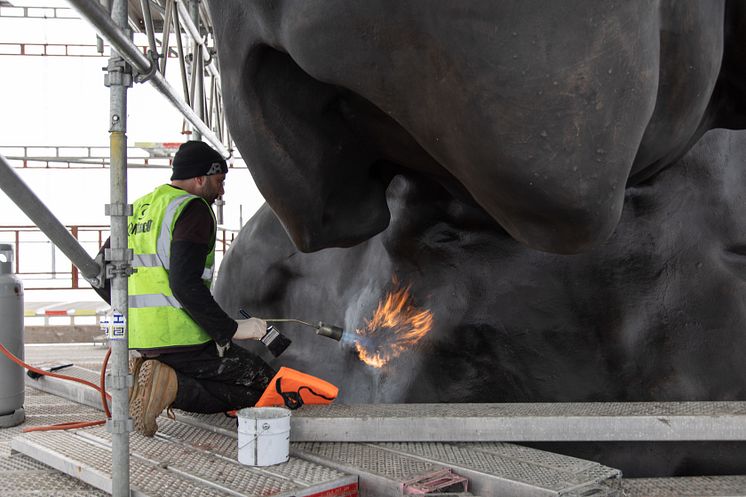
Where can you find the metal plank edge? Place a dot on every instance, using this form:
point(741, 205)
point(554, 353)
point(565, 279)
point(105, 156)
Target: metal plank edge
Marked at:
point(519, 429)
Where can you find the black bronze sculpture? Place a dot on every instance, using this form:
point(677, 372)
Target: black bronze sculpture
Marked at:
point(561, 187)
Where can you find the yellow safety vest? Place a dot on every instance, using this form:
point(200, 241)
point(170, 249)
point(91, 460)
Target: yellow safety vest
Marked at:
point(156, 318)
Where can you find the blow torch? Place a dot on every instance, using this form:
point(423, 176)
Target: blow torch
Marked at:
point(276, 342)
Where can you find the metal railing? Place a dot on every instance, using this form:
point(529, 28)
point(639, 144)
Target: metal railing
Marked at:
point(38, 260)
point(62, 49)
point(38, 12)
point(139, 155)
point(78, 157)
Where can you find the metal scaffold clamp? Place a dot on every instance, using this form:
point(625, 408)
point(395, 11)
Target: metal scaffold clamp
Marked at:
point(118, 73)
point(119, 263)
point(145, 77)
point(118, 258)
point(98, 281)
point(119, 426)
point(211, 52)
point(122, 269)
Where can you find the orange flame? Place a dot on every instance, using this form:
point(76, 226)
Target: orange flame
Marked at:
point(396, 326)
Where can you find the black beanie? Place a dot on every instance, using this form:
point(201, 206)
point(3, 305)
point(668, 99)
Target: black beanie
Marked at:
point(196, 158)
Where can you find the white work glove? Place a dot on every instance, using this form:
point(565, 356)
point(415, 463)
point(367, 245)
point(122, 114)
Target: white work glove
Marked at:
point(250, 329)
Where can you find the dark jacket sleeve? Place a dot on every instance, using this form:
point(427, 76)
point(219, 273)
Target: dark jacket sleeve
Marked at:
point(192, 240)
point(105, 291)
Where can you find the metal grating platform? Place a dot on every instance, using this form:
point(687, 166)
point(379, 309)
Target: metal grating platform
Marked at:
point(70, 454)
point(491, 471)
point(182, 460)
point(22, 476)
point(185, 458)
point(701, 486)
point(76, 392)
point(161, 467)
point(492, 468)
point(86, 359)
point(74, 352)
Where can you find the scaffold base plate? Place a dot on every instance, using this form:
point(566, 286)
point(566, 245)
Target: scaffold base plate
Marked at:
point(13, 419)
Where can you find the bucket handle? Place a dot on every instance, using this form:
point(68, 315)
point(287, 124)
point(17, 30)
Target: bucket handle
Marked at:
point(265, 426)
point(254, 440)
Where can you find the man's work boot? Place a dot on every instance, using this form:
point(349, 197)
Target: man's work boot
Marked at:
point(135, 363)
point(155, 390)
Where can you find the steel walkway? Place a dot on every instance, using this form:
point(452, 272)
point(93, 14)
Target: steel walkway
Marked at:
point(196, 455)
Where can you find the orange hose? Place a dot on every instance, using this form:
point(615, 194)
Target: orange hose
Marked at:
point(74, 424)
point(102, 381)
point(65, 426)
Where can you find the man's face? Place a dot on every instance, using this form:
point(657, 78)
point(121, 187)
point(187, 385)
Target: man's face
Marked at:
point(212, 187)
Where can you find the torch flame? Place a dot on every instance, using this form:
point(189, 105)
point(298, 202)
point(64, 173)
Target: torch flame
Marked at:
point(396, 326)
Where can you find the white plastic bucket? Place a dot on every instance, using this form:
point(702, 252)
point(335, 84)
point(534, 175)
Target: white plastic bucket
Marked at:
point(263, 435)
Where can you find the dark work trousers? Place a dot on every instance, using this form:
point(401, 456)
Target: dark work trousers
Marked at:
point(209, 383)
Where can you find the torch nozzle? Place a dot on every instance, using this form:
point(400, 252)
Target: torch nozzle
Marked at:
point(330, 331)
point(323, 329)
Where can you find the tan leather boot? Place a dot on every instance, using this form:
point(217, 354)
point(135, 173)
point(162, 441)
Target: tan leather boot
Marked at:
point(155, 390)
point(135, 363)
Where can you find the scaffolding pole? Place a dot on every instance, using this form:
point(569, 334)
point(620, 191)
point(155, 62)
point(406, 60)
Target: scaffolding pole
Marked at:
point(119, 79)
point(190, 21)
point(145, 67)
point(29, 203)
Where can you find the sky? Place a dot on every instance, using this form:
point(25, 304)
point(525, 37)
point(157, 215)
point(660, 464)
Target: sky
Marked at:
point(56, 101)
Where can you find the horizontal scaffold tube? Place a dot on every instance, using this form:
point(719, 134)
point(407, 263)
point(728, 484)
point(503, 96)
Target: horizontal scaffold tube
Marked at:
point(119, 40)
point(29, 203)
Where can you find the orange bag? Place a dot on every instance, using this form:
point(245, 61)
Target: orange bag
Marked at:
point(292, 389)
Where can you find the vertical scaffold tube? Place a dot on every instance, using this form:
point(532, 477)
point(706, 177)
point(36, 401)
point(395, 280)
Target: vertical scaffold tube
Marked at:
point(198, 77)
point(119, 79)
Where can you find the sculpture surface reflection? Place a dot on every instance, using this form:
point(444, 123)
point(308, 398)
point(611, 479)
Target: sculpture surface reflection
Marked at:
point(561, 187)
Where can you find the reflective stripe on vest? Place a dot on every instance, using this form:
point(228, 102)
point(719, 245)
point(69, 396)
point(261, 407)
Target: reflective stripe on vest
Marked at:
point(152, 300)
point(145, 260)
point(164, 237)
